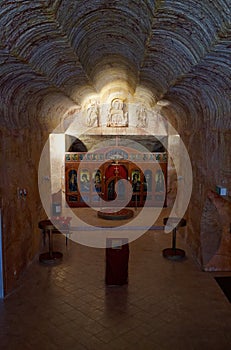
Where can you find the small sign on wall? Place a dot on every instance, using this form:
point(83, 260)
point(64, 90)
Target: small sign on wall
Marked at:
point(222, 191)
point(56, 209)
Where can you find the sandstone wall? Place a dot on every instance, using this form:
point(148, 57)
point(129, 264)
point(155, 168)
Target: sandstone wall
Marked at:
point(21, 145)
point(20, 153)
point(209, 150)
point(216, 233)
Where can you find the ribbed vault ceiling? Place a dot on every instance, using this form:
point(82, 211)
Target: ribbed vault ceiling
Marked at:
point(61, 50)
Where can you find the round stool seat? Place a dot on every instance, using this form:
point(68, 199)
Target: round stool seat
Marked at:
point(174, 253)
point(46, 225)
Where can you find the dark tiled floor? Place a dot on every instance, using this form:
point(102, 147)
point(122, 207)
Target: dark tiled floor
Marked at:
point(166, 304)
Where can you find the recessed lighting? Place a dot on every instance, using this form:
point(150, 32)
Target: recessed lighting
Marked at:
point(163, 103)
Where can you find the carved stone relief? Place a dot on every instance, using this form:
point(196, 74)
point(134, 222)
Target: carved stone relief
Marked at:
point(117, 116)
point(117, 113)
point(141, 114)
point(93, 114)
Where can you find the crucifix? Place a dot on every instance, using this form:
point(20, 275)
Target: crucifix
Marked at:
point(116, 170)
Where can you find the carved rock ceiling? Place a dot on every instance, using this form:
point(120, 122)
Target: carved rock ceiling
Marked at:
point(58, 51)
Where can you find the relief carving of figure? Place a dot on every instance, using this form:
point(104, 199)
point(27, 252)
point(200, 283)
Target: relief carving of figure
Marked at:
point(92, 114)
point(141, 117)
point(117, 116)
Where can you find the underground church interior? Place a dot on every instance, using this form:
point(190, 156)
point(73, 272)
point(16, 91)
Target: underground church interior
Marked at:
point(115, 191)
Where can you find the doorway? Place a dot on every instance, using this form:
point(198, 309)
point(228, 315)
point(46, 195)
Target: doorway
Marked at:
point(113, 173)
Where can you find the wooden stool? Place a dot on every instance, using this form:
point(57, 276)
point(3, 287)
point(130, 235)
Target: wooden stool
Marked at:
point(49, 257)
point(174, 253)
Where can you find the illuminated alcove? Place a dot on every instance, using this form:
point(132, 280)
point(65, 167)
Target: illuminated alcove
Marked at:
point(156, 136)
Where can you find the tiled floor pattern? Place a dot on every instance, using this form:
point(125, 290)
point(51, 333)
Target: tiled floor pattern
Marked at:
point(166, 304)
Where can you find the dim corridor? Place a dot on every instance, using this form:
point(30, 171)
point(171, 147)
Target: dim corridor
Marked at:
point(165, 305)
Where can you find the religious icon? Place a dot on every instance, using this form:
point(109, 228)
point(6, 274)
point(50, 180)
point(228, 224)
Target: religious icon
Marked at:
point(117, 116)
point(136, 181)
point(72, 176)
point(111, 190)
point(141, 117)
point(138, 156)
point(92, 114)
point(147, 180)
point(165, 157)
point(136, 185)
point(84, 181)
point(158, 157)
point(97, 181)
point(121, 192)
point(75, 157)
point(159, 181)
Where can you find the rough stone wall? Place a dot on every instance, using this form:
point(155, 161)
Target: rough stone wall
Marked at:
point(19, 162)
point(216, 233)
point(209, 150)
point(208, 142)
point(21, 149)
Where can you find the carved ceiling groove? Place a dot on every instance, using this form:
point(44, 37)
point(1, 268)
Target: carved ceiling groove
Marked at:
point(60, 50)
